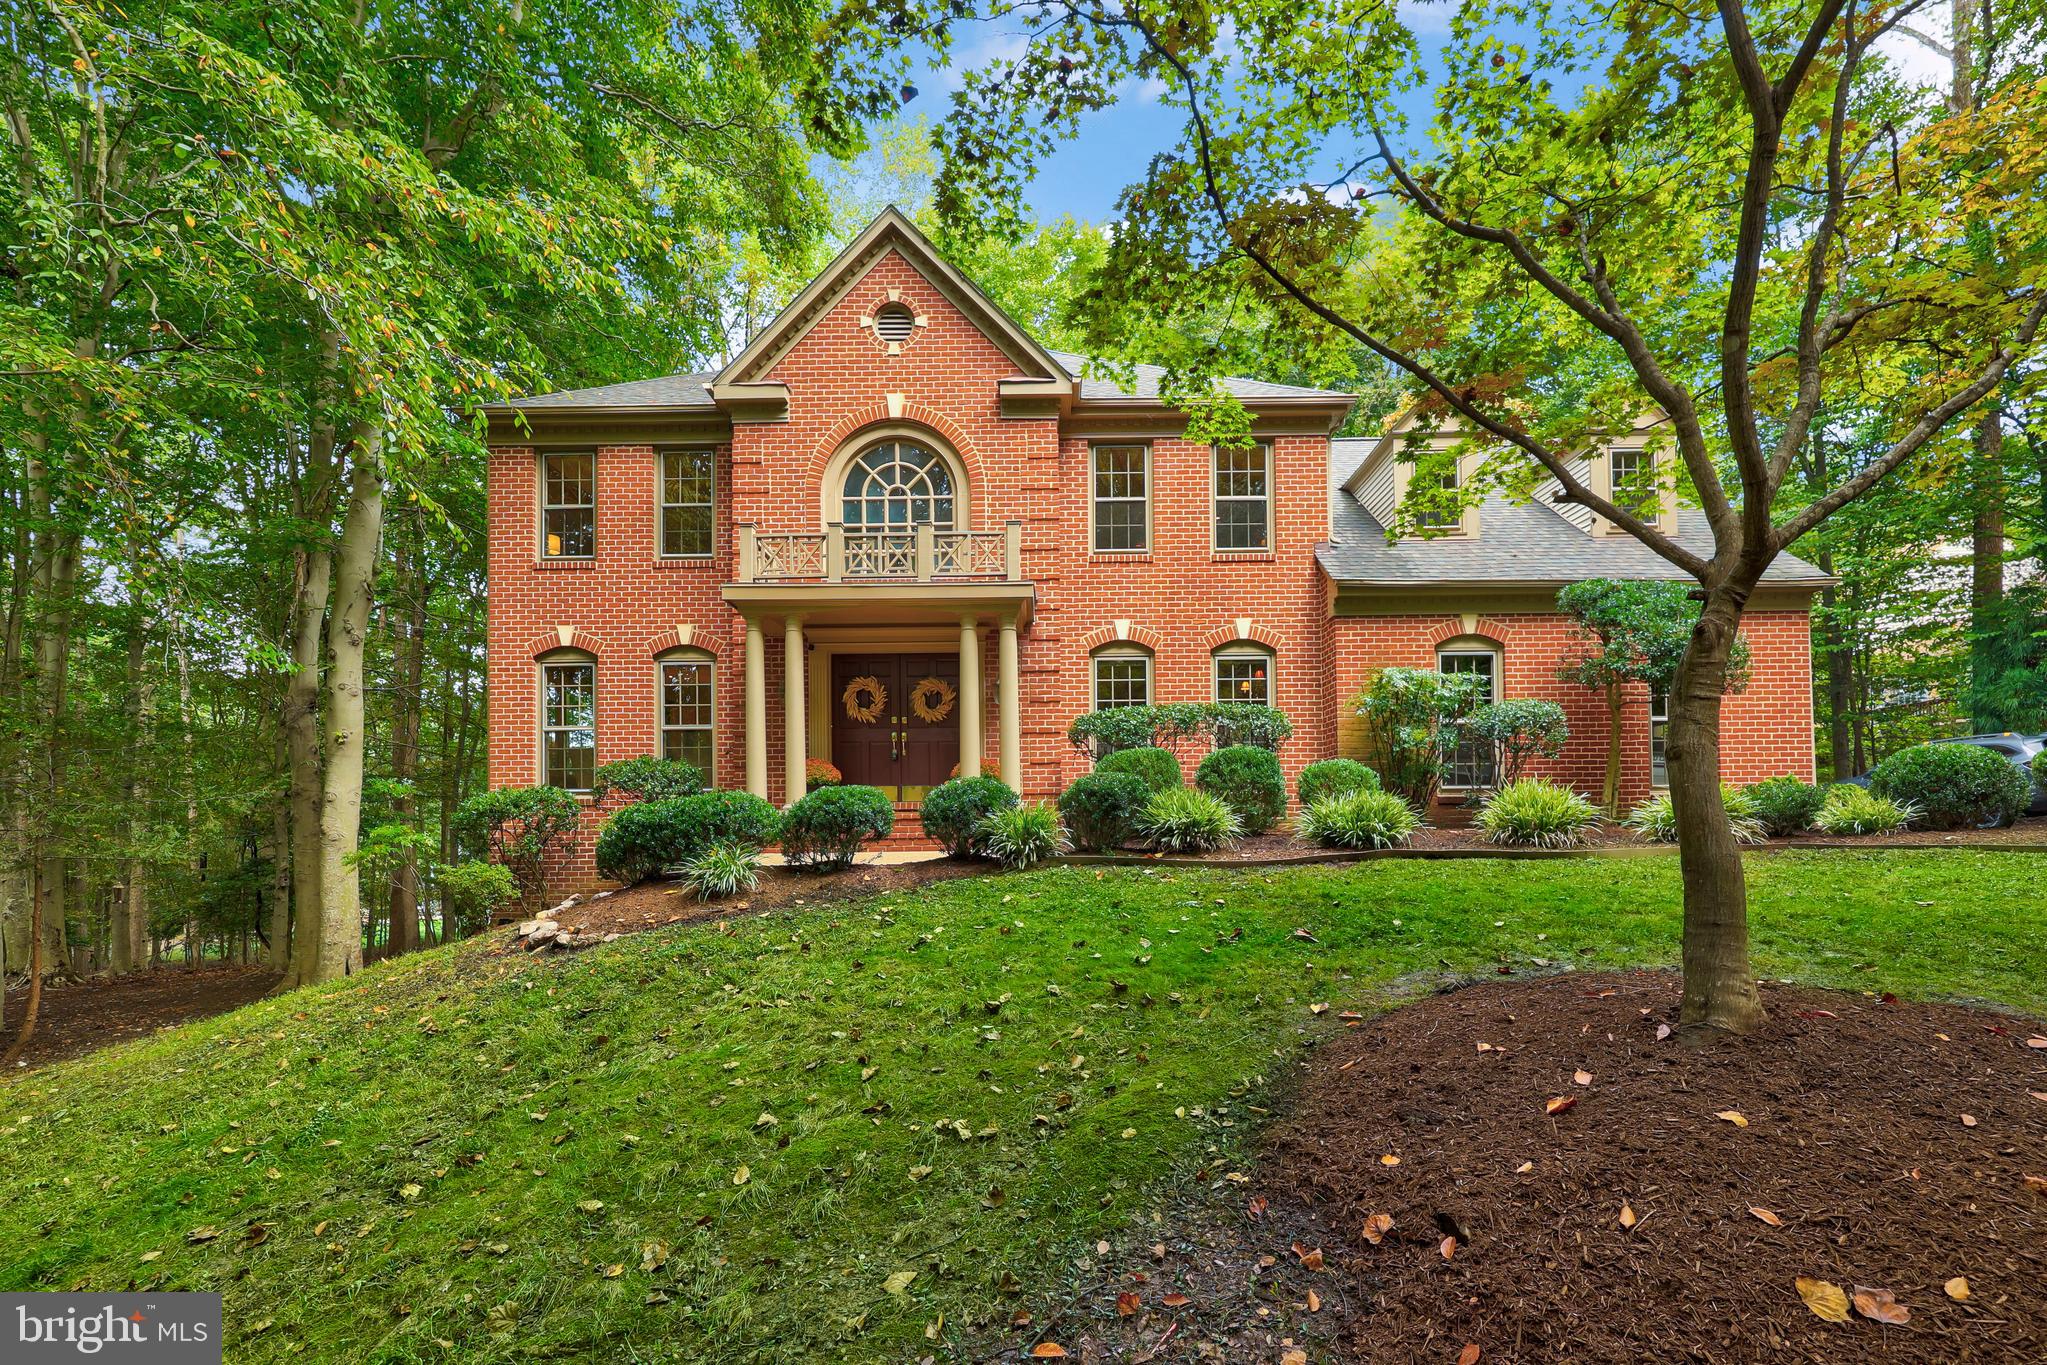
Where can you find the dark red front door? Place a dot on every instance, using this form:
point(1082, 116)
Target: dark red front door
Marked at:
point(896, 720)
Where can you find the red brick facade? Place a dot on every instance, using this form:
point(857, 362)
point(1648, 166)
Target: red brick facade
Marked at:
point(626, 605)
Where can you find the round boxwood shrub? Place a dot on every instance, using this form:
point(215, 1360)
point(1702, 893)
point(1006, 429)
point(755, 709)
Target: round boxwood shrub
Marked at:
point(953, 811)
point(1249, 781)
point(1955, 786)
point(825, 829)
point(642, 839)
point(1101, 809)
point(1159, 768)
point(1532, 813)
point(1359, 819)
point(1334, 777)
point(473, 894)
point(1786, 806)
point(1187, 820)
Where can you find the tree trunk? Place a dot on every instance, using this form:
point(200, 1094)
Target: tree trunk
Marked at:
point(1610, 790)
point(129, 931)
point(35, 968)
point(347, 634)
point(1986, 569)
point(406, 705)
point(1719, 991)
point(277, 933)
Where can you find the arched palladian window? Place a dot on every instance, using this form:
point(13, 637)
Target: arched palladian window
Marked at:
point(1472, 763)
point(686, 683)
point(568, 719)
point(1122, 676)
point(1243, 672)
point(895, 486)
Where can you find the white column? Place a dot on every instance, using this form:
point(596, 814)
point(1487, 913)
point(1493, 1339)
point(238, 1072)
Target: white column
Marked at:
point(1010, 701)
point(795, 704)
point(970, 697)
point(756, 710)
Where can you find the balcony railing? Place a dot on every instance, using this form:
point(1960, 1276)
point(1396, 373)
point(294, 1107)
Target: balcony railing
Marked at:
point(923, 554)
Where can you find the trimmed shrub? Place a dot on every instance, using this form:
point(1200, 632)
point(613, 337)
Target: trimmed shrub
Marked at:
point(1785, 805)
point(1334, 777)
point(1853, 810)
point(641, 840)
point(1519, 729)
point(1187, 820)
point(647, 778)
point(1017, 836)
point(521, 827)
point(1158, 767)
point(1359, 819)
point(724, 869)
point(1234, 723)
point(1412, 716)
point(953, 811)
point(472, 894)
point(1163, 725)
point(818, 772)
point(1101, 809)
point(1955, 786)
point(1532, 813)
point(825, 829)
point(1249, 781)
point(1656, 818)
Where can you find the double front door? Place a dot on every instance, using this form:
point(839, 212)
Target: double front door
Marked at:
point(896, 720)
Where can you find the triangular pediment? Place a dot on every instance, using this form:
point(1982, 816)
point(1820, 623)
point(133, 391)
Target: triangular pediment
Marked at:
point(892, 231)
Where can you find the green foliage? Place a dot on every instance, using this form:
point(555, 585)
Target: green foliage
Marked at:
point(521, 827)
point(1101, 809)
point(1656, 818)
point(643, 839)
point(1850, 810)
point(1334, 777)
point(953, 811)
point(1954, 786)
point(1165, 725)
point(1187, 820)
point(1785, 805)
point(1359, 819)
point(1412, 716)
point(1518, 730)
point(1249, 781)
point(1017, 836)
point(825, 830)
point(647, 779)
point(1532, 813)
point(473, 894)
point(1635, 630)
point(725, 868)
point(1159, 768)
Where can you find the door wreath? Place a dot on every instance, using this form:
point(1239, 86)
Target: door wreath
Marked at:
point(932, 700)
point(869, 711)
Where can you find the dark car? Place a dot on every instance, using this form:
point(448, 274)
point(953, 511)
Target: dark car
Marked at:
point(2020, 749)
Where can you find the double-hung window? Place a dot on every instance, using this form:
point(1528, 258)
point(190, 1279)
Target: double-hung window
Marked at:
point(1122, 495)
point(1443, 516)
point(1243, 674)
point(1122, 678)
point(686, 503)
point(686, 696)
point(568, 724)
point(568, 504)
point(1472, 761)
point(1243, 497)
point(1631, 472)
point(1659, 737)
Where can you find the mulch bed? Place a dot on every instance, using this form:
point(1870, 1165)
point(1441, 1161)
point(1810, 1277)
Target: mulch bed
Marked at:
point(79, 1017)
point(1891, 1141)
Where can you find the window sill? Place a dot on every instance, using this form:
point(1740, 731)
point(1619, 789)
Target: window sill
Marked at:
point(685, 561)
point(1119, 556)
point(1243, 556)
point(551, 565)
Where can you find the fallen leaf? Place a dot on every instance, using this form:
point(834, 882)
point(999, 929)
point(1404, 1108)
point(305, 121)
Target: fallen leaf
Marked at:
point(2036, 1041)
point(1255, 1210)
point(591, 1205)
point(898, 1282)
point(1293, 1355)
point(1560, 1104)
point(741, 1176)
point(1314, 1302)
point(1448, 1247)
point(919, 1172)
point(1628, 1216)
point(1768, 1217)
point(1733, 1116)
point(2040, 1095)
point(1127, 1303)
point(209, 1232)
point(1524, 1168)
point(1662, 1032)
point(1957, 1289)
point(1309, 1257)
point(1377, 1226)
point(1469, 1355)
point(1968, 1120)
point(151, 1255)
point(2037, 1183)
point(1824, 1298)
point(1581, 1077)
point(408, 1191)
point(613, 1271)
point(1878, 1305)
point(256, 1236)
point(1176, 1300)
point(1048, 1350)
point(1389, 1160)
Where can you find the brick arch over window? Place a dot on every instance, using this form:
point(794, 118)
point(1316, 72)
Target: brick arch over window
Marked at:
point(1121, 632)
point(1499, 633)
point(894, 417)
point(683, 637)
point(1243, 629)
point(564, 637)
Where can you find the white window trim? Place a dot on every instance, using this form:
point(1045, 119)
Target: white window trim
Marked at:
point(1454, 651)
point(1663, 785)
point(1215, 546)
point(661, 503)
point(1094, 501)
point(541, 506)
point(1119, 654)
point(702, 658)
point(571, 659)
point(1241, 650)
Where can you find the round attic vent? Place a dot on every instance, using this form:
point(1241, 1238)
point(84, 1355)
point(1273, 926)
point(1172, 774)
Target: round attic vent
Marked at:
point(893, 322)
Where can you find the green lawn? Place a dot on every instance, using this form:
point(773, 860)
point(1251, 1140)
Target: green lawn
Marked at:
point(454, 1156)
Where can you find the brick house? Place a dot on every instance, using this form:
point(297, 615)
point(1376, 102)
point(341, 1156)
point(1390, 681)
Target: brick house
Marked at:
point(897, 533)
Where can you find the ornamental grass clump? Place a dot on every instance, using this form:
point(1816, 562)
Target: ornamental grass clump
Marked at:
point(1188, 820)
point(1018, 836)
point(1656, 818)
point(1532, 813)
point(1853, 810)
point(1359, 819)
point(724, 869)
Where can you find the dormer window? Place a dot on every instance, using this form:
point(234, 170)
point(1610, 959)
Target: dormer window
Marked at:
point(1445, 517)
point(1633, 480)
